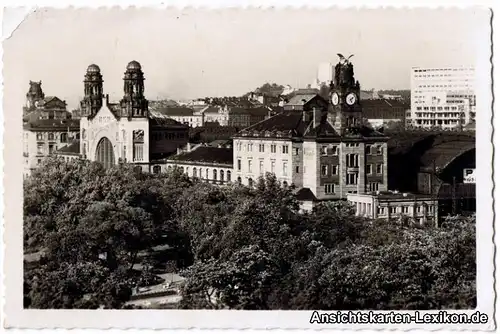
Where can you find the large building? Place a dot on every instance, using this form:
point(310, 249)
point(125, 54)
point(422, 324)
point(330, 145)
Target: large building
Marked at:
point(126, 131)
point(322, 148)
point(442, 98)
point(47, 126)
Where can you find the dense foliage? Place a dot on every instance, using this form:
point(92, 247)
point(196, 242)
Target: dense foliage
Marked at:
point(239, 248)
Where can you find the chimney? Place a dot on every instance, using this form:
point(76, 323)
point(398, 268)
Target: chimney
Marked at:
point(316, 117)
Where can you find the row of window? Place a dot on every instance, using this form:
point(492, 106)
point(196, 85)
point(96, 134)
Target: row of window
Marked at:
point(261, 167)
point(261, 148)
point(63, 137)
point(330, 187)
point(40, 149)
point(167, 135)
point(458, 69)
point(335, 169)
point(404, 209)
point(201, 173)
point(437, 108)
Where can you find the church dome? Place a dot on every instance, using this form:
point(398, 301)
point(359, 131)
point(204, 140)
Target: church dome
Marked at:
point(93, 69)
point(133, 66)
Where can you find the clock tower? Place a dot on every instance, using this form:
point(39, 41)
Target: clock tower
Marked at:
point(346, 113)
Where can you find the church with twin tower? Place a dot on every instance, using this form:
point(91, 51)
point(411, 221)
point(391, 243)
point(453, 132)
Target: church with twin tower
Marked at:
point(125, 131)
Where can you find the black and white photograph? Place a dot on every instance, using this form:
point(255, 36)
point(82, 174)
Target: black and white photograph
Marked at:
point(315, 161)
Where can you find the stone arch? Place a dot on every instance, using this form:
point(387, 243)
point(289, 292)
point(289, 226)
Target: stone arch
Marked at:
point(104, 152)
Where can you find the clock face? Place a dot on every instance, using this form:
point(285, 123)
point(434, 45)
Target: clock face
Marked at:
point(335, 99)
point(351, 99)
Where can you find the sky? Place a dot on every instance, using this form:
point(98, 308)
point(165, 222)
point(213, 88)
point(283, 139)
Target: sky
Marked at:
point(197, 53)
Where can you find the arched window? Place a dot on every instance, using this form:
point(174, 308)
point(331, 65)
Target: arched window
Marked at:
point(104, 153)
point(200, 174)
point(64, 137)
point(187, 171)
point(215, 174)
point(285, 184)
point(206, 173)
point(250, 182)
point(169, 168)
point(239, 180)
point(182, 170)
point(156, 169)
point(221, 175)
point(51, 136)
point(228, 176)
point(194, 172)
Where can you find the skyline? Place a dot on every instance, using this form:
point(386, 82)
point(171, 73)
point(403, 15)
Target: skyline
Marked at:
point(211, 52)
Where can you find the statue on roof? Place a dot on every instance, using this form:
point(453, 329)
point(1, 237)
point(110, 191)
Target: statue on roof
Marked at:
point(344, 72)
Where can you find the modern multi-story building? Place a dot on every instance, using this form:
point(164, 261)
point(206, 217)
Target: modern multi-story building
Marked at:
point(126, 131)
point(47, 126)
point(442, 97)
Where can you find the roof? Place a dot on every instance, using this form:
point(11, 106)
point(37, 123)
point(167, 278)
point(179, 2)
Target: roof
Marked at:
point(291, 124)
point(160, 120)
point(392, 195)
point(221, 142)
point(305, 194)
point(211, 110)
point(301, 99)
point(73, 148)
point(175, 111)
point(34, 123)
point(208, 154)
point(443, 154)
point(382, 108)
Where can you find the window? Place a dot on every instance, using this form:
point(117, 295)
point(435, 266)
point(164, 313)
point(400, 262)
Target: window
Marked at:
point(352, 160)
point(297, 169)
point(39, 136)
point(285, 149)
point(156, 169)
point(228, 176)
point(369, 169)
point(285, 168)
point(138, 152)
point(335, 169)
point(238, 180)
point(335, 150)
point(104, 153)
point(419, 209)
point(406, 209)
point(273, 148)
point(329, 188)
point(39, 148)
point(84, 150)
point(352, 178)
point(239, 165)
point(249, 147)
point(261, 166)
point(51, 136)
point(380, 211)
point(187, 171)
point(379, 149)
point(324, 150)
point(379, 168)
point(249, 166)
point(324, 170)
point(261, 147)
point(250, 182)
point(368, 149)
point(64, 137)
point(296, 151)
point(39, 161)
point(273, 165)
point(221, 173)
point(214, 174)
point(393, 209)
point(239, 146)
point(51, 148)
point(206, 173)
point(201, 174)
point(195, 172)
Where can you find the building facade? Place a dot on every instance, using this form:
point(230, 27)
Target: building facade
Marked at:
point(423, 209)
point(126, 131)
point(442, 97)
point(322, 147)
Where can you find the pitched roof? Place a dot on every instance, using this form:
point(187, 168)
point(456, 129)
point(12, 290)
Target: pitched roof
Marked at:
point(72, 148)
point(35, 123)
point(300, 99)
point(285, 124)
point(160, 120)
point(221, 155)
point(305, 194)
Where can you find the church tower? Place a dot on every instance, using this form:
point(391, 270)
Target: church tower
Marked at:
point(92, 102)
point(346, 116)
point(134, 104)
